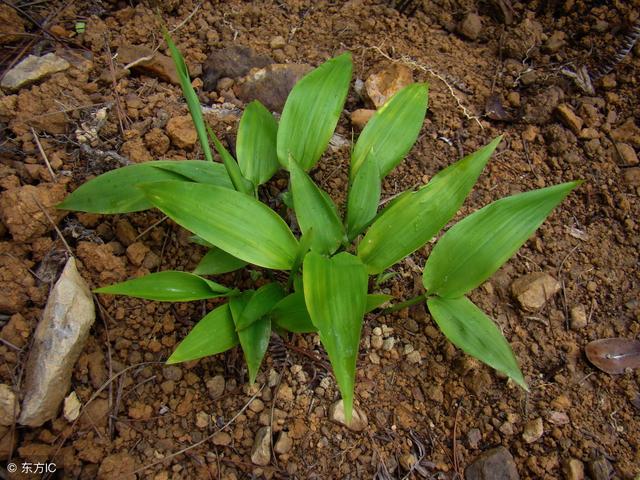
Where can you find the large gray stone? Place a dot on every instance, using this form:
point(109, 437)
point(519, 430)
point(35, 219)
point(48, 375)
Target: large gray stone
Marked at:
point(58, 341)
point(32, 69)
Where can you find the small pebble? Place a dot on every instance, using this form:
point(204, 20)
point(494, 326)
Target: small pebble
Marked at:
point(533, 430)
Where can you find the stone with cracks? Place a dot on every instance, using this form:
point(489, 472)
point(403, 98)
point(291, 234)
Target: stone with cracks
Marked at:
point(58, 342)
point(32, 69)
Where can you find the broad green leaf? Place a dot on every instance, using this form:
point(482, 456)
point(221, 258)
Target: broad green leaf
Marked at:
point(469, 329)
point(256, 144)
point(311, 112)
point(217, 261)
point(215, 333)
point(473, 249)
point(315, 210)
point(240, 183)
point(260, 303)
point(364, 196)
point(291, 314)
point(335, 292)
point(414, 218)
point(189, 95)
point(237, 223)
point(169, 286)
point(116, 191)
point(253, 339)
point(374, 300)
point(198, 171)
point(392, 131)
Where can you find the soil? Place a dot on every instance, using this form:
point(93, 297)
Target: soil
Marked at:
point(440, 406)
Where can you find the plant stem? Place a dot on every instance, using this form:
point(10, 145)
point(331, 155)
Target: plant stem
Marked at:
point(405, 304)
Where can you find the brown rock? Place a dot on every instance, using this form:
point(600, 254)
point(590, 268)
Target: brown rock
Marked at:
point(277, 42)
point(521, 39)
point(157, 142)
point(261, 451)
point(626, 154)
point(157, 65)
point(632, 176)
point(140, 411)
point(8, 442)
point(555, 41)
point(136, 151)
point(569, 118)
point(360, 117)
point(628, 132)
point(9, 407)
point(221, 438)
point(58, 341)
point(271, 85)
point(471, 26)
point(18, 286)
point(95, 414)
point(125, 233)
point(494, 464)
point(578, 317)
point(534, 289)
point(119, 465)
point(16, 331)
point(136, 253)
point(381, 86)
point(101, 260)
point(359, 420)
point(21, 213)
point(231, 62)
point(573, 469)
point(182, 132)
point(11, 25)
point(97, 369)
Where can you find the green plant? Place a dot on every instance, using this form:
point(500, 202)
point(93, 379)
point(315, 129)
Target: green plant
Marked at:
point(329, 263)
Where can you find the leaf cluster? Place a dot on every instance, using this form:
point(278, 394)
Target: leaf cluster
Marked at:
point(329, 260)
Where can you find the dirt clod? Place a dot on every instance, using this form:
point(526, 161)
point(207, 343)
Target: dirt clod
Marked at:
point(533, 290)
point(21, 209)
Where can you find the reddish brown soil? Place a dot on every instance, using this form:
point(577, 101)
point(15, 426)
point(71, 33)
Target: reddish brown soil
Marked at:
point(147, 411)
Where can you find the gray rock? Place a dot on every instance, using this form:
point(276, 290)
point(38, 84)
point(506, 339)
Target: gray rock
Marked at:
point(600, 469)
point(494, 464)
point(533, 430)
point(271, 85)
point(215, 386)
point(359, 420)
point(473, 438)
point(534, 289)
point(284, 443)
point(231, 62)
point(261, 451)
point(32, 69)
point(58, 341)
point(9, 408)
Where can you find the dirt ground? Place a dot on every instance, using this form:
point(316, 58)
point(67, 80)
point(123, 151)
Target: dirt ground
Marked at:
point(497, 72)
